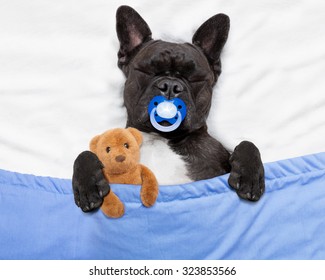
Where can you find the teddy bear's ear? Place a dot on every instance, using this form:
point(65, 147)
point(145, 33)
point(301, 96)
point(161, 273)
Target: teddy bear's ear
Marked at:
point(137, 134)
point(93, 143)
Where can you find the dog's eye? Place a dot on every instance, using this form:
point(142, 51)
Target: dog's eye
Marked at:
point(126, 145)
point(108, 149)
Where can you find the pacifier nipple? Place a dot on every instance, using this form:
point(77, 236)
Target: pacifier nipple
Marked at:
point(165, 111)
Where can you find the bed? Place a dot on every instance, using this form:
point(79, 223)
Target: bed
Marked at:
point(60, 86)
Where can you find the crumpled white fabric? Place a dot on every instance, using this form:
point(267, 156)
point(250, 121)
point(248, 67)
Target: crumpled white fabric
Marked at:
point(60, 85)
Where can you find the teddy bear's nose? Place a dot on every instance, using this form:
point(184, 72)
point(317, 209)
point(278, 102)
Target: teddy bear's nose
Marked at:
point(120, 158)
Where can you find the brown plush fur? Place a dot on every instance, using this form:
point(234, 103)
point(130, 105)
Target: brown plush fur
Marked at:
point(119, 151)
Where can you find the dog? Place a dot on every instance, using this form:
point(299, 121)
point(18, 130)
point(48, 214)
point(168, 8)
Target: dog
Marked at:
point(186, 71)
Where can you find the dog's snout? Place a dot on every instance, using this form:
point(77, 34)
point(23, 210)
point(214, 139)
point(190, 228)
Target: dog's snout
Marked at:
point(170, 88)
point(120, 158)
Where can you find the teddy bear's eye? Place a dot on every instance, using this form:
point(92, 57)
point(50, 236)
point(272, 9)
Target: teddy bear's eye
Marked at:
point(108, 149)
point(126, 145)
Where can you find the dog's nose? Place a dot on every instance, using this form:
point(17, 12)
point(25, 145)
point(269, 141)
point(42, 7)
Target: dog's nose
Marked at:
point(170, 88)
point(120, 158)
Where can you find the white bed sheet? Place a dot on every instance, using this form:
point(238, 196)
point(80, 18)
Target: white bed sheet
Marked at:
point(60, 85)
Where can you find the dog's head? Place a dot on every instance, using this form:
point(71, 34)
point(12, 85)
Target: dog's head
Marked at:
point(154, 67)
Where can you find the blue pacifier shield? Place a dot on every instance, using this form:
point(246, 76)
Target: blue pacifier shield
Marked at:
point(172, 111)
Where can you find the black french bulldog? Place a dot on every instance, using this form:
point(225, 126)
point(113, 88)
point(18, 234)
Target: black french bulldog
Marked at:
point(188, 71)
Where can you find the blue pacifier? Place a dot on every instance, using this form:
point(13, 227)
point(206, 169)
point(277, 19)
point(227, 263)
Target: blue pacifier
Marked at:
point(172, 111)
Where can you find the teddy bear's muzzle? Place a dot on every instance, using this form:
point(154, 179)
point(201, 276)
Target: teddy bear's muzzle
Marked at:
point(120, 158)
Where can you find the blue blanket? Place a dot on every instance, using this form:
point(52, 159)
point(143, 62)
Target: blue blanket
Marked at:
point(201, 220)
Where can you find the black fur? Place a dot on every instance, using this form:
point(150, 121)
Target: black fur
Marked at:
point(198, 149)
point(193, 69)
point(89, 184)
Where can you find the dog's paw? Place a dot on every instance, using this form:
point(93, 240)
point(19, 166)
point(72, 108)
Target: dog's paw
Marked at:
point(88, 182)
point(247, 172)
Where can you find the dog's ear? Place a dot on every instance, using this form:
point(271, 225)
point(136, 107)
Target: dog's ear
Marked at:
point(211, 37)
point(132, 32)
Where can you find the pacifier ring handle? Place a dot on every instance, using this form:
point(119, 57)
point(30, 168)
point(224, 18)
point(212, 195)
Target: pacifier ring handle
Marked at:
point(162, 128)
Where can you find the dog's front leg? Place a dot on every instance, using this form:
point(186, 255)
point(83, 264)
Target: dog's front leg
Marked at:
point(88, 182)
point(247, 172)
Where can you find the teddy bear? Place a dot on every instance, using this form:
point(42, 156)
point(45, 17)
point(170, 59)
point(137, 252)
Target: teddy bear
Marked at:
point(119, 151)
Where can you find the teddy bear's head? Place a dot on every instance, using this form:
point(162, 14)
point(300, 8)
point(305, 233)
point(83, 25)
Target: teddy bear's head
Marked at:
point(118, 149)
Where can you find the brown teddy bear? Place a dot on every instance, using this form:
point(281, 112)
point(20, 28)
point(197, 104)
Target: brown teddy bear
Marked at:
point(119, 151)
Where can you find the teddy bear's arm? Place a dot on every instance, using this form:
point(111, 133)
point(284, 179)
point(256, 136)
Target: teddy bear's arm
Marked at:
point(88, 182)
point(149, 189)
